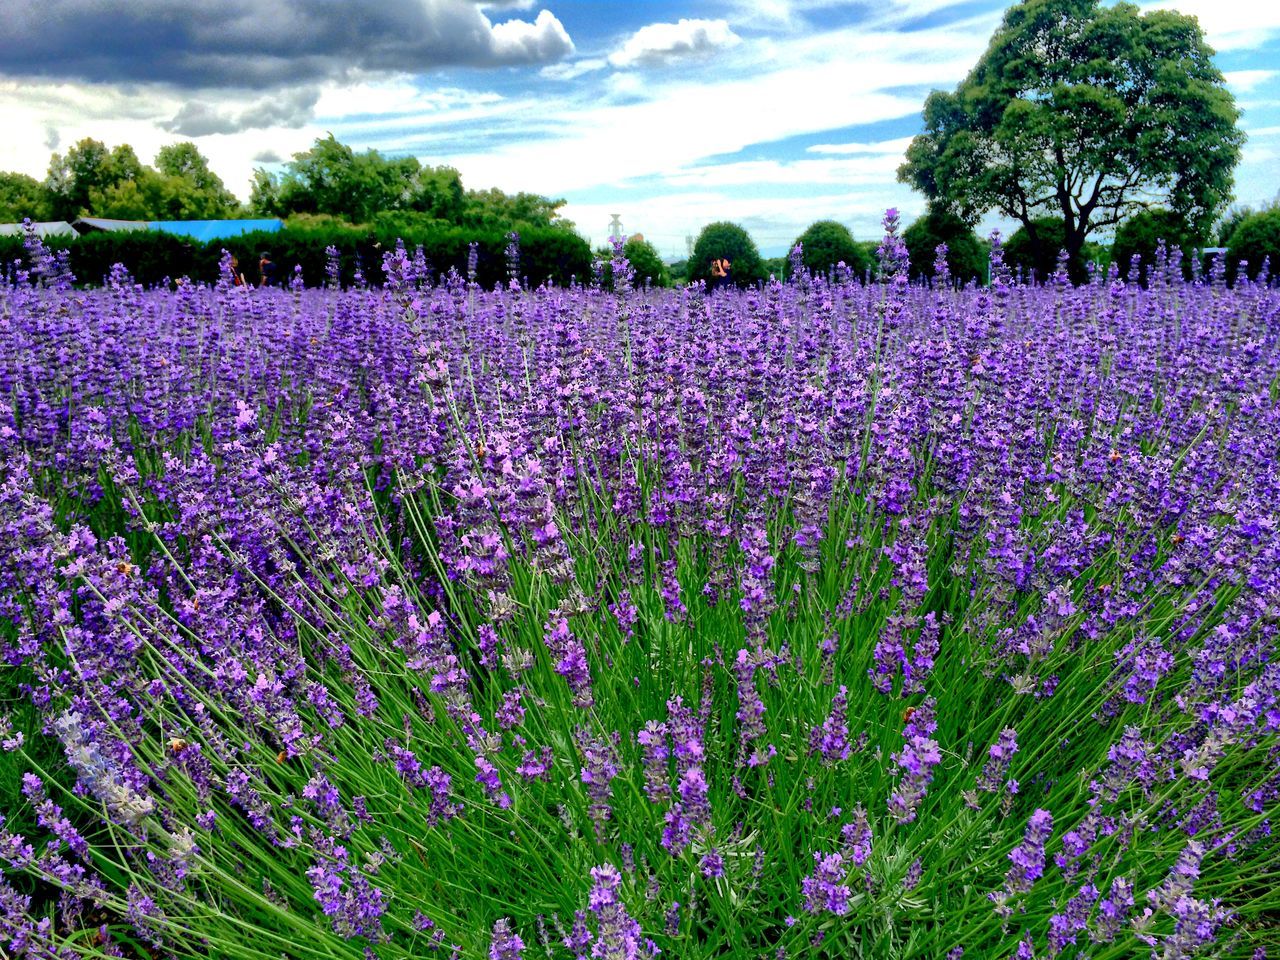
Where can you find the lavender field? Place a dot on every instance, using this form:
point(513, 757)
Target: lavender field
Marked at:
point(818, 620)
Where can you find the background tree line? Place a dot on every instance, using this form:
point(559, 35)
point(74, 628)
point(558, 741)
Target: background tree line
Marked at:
point(331, 181)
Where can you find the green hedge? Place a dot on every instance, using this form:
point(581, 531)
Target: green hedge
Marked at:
point(552, 255)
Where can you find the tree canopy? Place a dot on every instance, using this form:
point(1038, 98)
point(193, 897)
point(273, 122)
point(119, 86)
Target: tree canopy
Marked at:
point(86, 169)
point(93, 179)
point(825, 243)
point(22, 196)
point(331, 178)
point(1086, 113)
point(724, 239)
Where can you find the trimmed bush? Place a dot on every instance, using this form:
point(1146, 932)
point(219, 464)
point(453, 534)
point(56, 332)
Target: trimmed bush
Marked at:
point(1140, 236)
point(826, 243)
point(546, 255)
point(1255, 239)
point(723, 239)
point(966, 254)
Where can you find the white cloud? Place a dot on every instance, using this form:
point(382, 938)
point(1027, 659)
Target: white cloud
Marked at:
point(894, 147)
point(755, 173)
point(663, 43)
point(395, 97)
point(792, 87)
point(1246, 81)
point(572, 69)
point(518, 41)
point(198, 118)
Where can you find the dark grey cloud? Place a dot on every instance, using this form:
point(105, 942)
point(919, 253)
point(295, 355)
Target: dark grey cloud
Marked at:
point(267, 156)
point(289, 108)
point(261, 44)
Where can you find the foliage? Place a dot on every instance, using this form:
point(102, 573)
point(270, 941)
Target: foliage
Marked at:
point(492, 209)
point(199, 193)
point(94, 180)
point(331, 178)
point(646, 264)
point(22, 197)
point(966, 254)
point(724, 239)
point(1232, 219)
point(1141, 235)
point(1083, 112)
point(826, 243)
point(87, 168)
point(1254, 239)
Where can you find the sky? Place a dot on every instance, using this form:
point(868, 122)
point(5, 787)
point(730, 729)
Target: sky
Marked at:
point(671, 114)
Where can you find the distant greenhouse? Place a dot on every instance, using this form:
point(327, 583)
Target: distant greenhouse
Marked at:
point(201, 230)
point(45, 228)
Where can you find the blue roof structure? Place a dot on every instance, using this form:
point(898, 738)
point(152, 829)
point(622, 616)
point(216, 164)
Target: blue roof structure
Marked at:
point(207, 230)
point(88, 224)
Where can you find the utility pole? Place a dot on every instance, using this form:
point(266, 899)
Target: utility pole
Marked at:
point(688, 245)
point(615, 226)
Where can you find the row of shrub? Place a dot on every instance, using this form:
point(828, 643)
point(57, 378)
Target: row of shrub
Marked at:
point(546, 254)
point(558, 255)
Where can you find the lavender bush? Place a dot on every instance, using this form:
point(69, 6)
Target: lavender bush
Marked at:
point(815, 620)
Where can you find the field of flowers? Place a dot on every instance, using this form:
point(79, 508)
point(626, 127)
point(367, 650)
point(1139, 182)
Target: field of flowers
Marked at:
point(819, 620)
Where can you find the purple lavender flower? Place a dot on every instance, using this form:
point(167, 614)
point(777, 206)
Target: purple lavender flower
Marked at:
point(618, 935)
point(599, 767)
point(1027, 861)
point(653, 743)
point(505, 943)
point(857, 837)
point(826, 890)
point(831, 738)
point(915, 761)
point(999, 756)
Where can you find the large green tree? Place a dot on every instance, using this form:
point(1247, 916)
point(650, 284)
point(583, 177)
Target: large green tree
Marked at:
point(493, 208)
point(331, 178)
point(87, 167)
point(645, 261)
point(194, 191)
point(1084, 112)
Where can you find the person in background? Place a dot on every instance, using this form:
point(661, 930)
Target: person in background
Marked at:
point(268, 271)
point(237, 277)
point(718, 274)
